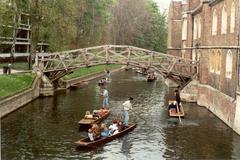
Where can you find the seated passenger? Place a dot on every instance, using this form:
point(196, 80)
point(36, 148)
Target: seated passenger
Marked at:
point(102, 112)
point(172, 105)
point(95, 114)
point(96, 130)
point(120, 126)
point(99, 83)
point(104, 130)
point(113, 127)
point(88, 115)
point(90, 135)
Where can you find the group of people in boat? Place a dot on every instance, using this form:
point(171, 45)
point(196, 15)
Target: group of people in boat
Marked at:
point(102, 131)
point(117, 126)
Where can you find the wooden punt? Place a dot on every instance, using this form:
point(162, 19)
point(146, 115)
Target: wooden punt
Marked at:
point(89, 121)
point(172, 112)
point(85, 143)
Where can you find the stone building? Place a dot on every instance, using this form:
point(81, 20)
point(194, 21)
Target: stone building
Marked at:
point(208, 31)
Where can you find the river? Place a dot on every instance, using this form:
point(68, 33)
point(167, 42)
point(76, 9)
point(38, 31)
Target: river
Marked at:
point(47, 127)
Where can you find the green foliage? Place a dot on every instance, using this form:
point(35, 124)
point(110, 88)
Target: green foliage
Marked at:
point(154, 37)
point(16, 65)
point(14, 83)
point(90, 70)
point(70, 24)
point(6, 16)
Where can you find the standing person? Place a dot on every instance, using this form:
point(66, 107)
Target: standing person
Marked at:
point(108, 75)
point(127, 105)
point(105, 98)
point(177, 98)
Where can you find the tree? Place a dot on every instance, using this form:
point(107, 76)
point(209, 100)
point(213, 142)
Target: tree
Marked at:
point(139, 23)
point(69, 24)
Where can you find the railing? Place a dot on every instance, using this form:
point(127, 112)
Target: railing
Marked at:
point(67, 61)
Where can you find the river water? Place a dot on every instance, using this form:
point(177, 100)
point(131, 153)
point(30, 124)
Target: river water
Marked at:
point(47, 127)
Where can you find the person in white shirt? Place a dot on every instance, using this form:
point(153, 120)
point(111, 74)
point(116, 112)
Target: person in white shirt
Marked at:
point(127, 105)
point(113, 127)
point(90, 135)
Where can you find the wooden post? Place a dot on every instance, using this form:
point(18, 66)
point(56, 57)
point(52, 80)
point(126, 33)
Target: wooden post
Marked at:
point(106, 55)
point(129, 54)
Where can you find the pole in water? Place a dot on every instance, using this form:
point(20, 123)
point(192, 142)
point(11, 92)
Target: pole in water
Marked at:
point(179, 117)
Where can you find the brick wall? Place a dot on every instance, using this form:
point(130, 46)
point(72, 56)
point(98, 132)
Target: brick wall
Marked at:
point(174, 26)
point(193, 4)
point(218, 103)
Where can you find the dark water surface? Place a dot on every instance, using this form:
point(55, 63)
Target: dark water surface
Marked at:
point(47, 127)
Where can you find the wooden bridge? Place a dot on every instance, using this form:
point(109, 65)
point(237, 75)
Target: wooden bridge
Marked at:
point(57, 65)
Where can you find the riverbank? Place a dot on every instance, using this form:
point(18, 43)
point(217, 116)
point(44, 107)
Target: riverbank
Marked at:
point(15, 83)
point(19, 89)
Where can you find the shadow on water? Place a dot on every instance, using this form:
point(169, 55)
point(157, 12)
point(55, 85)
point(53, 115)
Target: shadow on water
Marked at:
point(47, 127)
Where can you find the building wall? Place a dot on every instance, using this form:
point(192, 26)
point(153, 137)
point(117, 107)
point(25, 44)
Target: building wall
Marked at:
point(218, 103)
point(192, 4)
point(216, 90)
point(174, 27)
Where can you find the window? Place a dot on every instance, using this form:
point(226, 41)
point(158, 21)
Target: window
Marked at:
point(232, 18)
point(194, 57)
point(184, 29)
point(218, 62)
point(224, 20)
point(214, 22)
point(211, 61)
point(229, 58)
point(195, 28)
point(215, 61)
point(199, 27)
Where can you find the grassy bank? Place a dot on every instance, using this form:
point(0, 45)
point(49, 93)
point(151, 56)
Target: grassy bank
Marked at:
point(90, 70)
point(15, 83)
point(16, 65)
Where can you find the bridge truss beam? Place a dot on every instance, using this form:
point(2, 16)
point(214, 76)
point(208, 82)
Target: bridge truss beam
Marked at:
point(56, 65)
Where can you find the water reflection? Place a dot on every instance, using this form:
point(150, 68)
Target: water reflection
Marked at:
point(47, 127)
point(126, 146)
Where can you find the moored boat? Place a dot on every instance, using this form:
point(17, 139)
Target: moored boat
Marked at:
point(85, 143)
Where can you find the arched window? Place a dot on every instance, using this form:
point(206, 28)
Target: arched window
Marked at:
point(195, 28)
point(232, 17)
point(218, 62)
point(184, 29)
point(199, 27)
point(224, 20)
point(212, 60)
point(214, 22)
point(229, 59)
